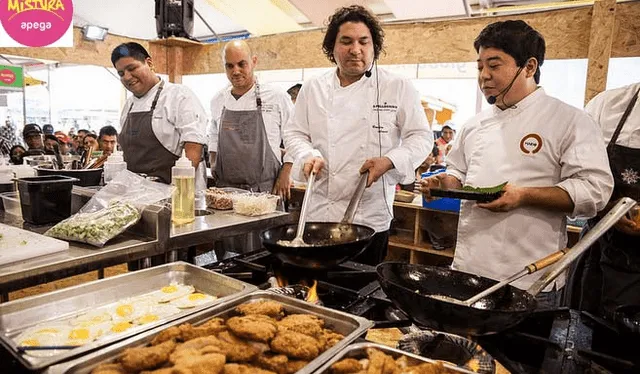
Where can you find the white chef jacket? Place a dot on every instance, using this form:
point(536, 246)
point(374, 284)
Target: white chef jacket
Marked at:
point(178, 118)
point(607, 109)
point(276, 111)
point(541, 142)
point(340, 124)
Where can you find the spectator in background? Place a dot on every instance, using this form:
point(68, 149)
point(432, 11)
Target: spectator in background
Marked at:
point(108, 140)
point(444, 143)
point(293, 91)
point(47, 129)
point(90, 141)
point(64, 141)
point(49, 143)
point(16, 153)
point(32, 135)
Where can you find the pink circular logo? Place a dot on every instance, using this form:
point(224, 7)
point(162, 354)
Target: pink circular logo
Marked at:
point(36, 23)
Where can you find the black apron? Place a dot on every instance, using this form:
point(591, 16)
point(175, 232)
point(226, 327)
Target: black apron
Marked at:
point(620, 257)
point(141, 149)
point(245, 159)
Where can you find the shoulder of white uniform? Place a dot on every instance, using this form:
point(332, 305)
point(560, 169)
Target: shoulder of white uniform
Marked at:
point(617, 93)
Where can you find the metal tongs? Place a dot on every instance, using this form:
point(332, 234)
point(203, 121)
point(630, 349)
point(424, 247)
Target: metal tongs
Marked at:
point(58, 164)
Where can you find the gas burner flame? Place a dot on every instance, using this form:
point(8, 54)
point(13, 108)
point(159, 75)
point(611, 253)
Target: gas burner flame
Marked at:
point(301, 291)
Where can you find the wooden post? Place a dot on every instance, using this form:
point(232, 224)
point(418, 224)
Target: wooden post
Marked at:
point(600, 40)
point(174, 64)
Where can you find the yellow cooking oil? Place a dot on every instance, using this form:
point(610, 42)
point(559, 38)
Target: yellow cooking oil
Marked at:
point(183, 200)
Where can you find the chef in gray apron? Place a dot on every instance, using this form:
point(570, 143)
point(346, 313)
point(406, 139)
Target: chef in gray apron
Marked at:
point(244, 158)
point(141, 149)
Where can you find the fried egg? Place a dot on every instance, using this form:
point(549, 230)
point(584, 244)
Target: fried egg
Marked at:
point(92, 318)
point(157, 313)
point(192, 300)
point(80, 335)
point(42, 336)
point(112, 327)
point(171, 292)
point(128, 310)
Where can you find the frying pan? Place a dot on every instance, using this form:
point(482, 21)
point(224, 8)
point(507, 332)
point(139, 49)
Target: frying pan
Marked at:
point(409, 287)
point(330, 243)
point(627, 319)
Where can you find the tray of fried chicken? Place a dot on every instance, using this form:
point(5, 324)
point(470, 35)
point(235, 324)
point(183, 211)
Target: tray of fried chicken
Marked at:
point(262, 333)
point(222, 198)
point(372, 358)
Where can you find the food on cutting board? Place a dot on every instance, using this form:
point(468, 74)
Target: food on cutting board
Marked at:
point(494, 189)
point(378, 362)
point(218, 198)
point(259, 338)
point(98, 227)
point(114, 318)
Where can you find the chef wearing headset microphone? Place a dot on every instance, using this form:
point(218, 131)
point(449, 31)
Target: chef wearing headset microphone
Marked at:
point(550, 153)
point(353, 119)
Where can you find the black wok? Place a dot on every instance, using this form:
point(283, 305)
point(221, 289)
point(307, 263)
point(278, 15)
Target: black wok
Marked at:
point(409, 284)
point(627, 319)
point(409, 287)
point(323, 253)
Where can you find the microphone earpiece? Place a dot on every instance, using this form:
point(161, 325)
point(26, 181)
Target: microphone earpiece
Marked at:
point(367, 73)
point(491, 100)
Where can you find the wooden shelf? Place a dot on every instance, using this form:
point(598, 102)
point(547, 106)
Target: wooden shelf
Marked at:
point(424, 247)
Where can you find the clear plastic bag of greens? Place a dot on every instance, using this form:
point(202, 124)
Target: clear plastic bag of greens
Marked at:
point(112, 210)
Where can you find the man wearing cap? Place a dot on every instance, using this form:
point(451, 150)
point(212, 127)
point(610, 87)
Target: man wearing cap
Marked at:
point(32, 135)
point(47, 129)
point(159, 120)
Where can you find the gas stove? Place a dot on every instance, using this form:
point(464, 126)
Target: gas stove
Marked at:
point(352, 287)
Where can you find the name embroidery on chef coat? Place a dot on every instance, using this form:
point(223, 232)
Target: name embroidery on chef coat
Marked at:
point(531, 144)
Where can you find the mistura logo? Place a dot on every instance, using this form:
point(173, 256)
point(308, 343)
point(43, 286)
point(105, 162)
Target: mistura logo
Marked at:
point(36, 23)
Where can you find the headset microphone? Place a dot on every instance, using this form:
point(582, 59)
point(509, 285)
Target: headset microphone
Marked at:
point(367, 73)
point(493, 98)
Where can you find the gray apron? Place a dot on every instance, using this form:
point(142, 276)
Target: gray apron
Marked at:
point(141, 149)
point(244, 158)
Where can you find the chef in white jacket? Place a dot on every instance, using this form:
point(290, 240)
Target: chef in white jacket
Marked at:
point(159, 120)
point(353, 119)
point(551, 154)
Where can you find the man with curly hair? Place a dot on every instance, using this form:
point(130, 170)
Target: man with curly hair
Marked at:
point(354, 119)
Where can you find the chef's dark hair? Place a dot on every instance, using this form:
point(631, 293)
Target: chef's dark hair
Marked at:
point(515, 38)
point(107, 131)
point(353, 13)
point(130, 49)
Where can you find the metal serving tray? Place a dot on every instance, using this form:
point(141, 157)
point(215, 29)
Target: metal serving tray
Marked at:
point(358, 351)
point(16, 316)
point(349, 325)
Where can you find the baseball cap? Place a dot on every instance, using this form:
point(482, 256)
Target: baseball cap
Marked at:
point(31, 129)
point(63, 137)
point(47, 129)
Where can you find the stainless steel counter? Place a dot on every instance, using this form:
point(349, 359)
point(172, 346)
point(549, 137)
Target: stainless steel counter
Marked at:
point(153, 235)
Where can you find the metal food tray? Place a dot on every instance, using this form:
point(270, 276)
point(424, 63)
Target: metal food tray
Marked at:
point(349, 325)
point(358, 351)
point(16, 316)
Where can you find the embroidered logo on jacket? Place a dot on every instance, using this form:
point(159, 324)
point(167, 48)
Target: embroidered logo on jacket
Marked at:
point(531, 144)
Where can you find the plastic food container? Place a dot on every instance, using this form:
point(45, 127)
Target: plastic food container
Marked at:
point(11, 203)
point(45, 199)
point(254, 204)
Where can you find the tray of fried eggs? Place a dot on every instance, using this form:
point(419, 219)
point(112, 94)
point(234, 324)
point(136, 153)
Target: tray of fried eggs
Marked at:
point(111, 319)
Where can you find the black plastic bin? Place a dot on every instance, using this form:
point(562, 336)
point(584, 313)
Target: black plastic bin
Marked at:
point(45, 199)
point(84, 177)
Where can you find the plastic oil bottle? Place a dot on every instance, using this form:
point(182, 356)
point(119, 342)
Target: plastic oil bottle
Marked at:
point(183, 178)
point(115, 163)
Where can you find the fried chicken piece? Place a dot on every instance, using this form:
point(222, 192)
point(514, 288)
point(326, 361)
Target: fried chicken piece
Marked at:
point(167, 371)
point(346, 366)
point(293, 366)
point(211, 327)
point(253, 327)
point(237, 350)
point(144, 358)
point(211, 363)
point(269, 308)
point(380, 363)
point(303, 323)
point(328, 339)
point(208, 344)
point(244, 369)
point(276, 363)
point(295, 345)
point(110, 368)
point(167, 334)
point(428, 368)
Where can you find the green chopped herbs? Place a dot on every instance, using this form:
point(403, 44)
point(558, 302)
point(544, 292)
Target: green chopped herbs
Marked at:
point(493, 189)
point(98, 227)
point(24, 242)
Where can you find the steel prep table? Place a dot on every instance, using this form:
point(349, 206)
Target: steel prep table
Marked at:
point(153, 235)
